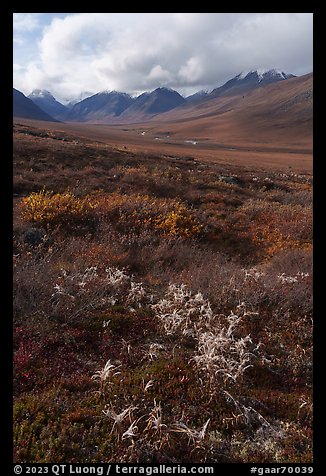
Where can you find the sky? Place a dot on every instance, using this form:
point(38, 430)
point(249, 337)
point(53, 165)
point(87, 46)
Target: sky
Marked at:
point(71, 54)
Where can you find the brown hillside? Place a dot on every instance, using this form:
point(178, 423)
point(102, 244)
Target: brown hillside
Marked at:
point(277, 113)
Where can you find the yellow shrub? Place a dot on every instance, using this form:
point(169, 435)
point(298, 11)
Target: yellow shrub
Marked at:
point(48, 208)
point(169, 217)
point(178, 222)
point(276, 227)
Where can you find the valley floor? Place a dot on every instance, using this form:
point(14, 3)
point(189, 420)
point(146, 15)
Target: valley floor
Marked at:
point(269, 153)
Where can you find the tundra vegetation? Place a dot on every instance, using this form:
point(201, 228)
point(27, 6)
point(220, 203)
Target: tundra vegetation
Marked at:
point(162, 307)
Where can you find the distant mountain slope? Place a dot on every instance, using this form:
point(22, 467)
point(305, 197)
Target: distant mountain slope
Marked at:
point(158, 101)
point(280, 110)
point(244, 82)
point(99, 107)
point(44, 100)
point(197, 97)
point(25, 107)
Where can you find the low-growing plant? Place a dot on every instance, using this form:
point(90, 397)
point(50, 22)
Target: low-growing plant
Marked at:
point(169, 217)
point(96, 288)
point(182, 311)
point(53, 209)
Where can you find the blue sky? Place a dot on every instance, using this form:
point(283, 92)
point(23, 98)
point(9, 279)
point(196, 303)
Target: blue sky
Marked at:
point(72, 53)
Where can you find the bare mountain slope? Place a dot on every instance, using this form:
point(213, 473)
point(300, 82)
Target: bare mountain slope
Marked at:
point(25, 107)
point(45, 101)
point(100, 107)
point(149, 104)
point(281, 110)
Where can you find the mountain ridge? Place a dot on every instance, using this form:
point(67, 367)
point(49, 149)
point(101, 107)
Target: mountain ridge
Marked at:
point(156, 102)
point(46, 101)
point(115, 107)
point(26, 108)
point(99, 106)
point(247, 81)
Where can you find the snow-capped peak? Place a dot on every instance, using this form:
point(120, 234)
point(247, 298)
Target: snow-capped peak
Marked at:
point(40, 93)
point(263, 73)
point(242, 75)
point(278, 72)
point(260, 73)
point(113, 92)
point(164, 89)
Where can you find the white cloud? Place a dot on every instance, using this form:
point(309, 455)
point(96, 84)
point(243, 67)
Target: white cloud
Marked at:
point(134, 52)
point(160, 75)
point(17, 67)
point(192, 71)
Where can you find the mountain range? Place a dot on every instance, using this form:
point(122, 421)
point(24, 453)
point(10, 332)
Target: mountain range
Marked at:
point(109, 107)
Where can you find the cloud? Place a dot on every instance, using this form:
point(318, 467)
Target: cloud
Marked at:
point(160, 75)
point(17, 67)
point(192, 71)
point(134, 52)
